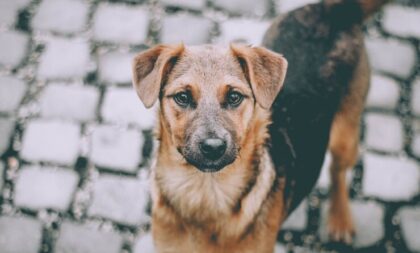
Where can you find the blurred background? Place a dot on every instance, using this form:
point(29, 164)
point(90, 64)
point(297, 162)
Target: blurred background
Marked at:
point(75, 142)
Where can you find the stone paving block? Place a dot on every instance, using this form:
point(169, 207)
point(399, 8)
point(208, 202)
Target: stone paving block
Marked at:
point(174, 29)
point(116, 149)
point(415, 142)
point(415, 146)
point(7, 126)
point(410, 224)
point(284, 6)
point(278, 248)
point(368, 218)
point(324, 180)
point(384, 132)
point(12, 91)
point(78, 238)
point(75, 102)
point(45, 187)
point(62, 16)
point(390, 178)
point(401, 21)
point(383, 58)
point(20, 235)
point(1, 175)
point(17, 47)
point(9, 10)
point(121, 199)
point(144, 244)
point(324, 176)
point(115, 67)
point(415, 97)
point(243, 30)
point(121, 105)
point(297, 220)
point(119, 23)
point(51, 141)
point(64, 58)
point(187, 4)
point(384, 93)
point(243, 7)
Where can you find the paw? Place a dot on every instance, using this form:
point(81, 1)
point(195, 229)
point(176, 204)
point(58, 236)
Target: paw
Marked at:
point(340, 227)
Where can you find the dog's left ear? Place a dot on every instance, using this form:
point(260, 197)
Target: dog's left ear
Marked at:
point(150, 70)
point(265, 70)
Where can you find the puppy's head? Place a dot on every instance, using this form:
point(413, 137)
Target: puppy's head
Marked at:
point(208, 96)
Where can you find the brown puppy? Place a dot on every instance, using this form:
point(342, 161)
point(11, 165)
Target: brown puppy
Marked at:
point(228, 171)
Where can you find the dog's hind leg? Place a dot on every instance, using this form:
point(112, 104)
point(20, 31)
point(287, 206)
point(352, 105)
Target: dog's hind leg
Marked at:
point(344, 142)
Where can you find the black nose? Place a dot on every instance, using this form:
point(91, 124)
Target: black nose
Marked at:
point(213, 148)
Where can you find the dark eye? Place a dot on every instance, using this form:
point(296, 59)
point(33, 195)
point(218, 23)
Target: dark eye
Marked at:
point(183, 99)
point(234, 98)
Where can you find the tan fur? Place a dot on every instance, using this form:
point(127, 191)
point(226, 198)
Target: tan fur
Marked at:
point(233, 210)
point(264, 71)
point(344, 141)
point(151, 67)
point(240, 208)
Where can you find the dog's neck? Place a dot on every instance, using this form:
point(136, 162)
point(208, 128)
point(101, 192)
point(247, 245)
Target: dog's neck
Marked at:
point(203, 198)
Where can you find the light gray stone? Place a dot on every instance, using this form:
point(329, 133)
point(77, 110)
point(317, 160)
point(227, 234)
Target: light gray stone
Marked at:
point(390, 178)
point(415, 97)
point(297, 220)
point(115, 67)
point(75, 102)
point(384, 132)
point(78, 238)
point(1, 175)
point(415, 146)
point(384, 93)
point(116, 149)
point(368, 218)
point(185, 28)
point(279, 248)
point(401, 21)
point(299, 249)
point(189, 4)
point(9, 10)
point(249, 7)
point(383, 56)
point(242, 30)
point(324, 180)
point(410, 224)
point(51, 141)
point(45, 187)
point(284, 6)
point(20, 235)
point(17, 47)
point(12, 91)
point(64, 59)
point(121, 105)
point(120, 199)
point(7, 126)
point(119, 23)
point(62, 16)
point(144, 244)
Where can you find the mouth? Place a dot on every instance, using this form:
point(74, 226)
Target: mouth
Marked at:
point(208, 166)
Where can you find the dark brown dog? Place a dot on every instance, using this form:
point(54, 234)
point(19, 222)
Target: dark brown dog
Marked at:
point(228, 170)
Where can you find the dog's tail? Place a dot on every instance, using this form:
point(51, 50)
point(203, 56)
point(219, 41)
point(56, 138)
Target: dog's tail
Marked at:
point(344, 13)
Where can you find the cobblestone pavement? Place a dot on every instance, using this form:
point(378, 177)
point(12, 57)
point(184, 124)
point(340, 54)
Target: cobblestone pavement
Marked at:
point(75, 142)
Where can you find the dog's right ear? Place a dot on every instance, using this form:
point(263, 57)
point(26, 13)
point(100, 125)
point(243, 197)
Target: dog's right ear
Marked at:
point(150, 69)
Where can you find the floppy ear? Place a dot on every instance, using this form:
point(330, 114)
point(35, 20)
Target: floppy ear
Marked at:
point(150, 70)
point(265, 70)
